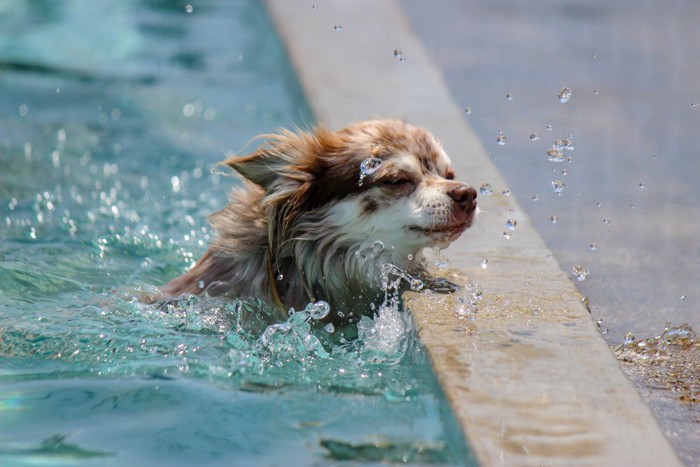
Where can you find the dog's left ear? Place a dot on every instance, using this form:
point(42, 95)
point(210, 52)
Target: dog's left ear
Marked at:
point(279, 158)
point(262, 167)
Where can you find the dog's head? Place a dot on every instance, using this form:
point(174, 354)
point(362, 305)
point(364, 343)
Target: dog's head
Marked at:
point(373, 181)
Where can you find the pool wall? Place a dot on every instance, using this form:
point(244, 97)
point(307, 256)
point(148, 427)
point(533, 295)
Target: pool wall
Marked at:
point(528, 376)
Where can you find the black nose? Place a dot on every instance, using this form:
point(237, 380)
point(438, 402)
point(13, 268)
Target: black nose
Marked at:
point(465, 196)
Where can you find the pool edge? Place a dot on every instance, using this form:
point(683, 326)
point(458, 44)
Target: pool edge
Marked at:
point(528, 376)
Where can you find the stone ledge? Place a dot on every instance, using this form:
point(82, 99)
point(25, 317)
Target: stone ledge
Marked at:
point(528, 377)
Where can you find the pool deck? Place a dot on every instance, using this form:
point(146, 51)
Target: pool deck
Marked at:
point(529, 377)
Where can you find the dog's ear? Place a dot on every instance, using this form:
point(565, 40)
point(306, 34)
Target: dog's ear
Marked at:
point(278, 158)
point(262, 167)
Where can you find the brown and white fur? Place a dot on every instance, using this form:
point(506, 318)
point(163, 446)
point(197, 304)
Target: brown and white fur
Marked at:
point(304, 224)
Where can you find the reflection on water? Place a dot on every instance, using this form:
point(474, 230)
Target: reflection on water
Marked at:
point(106, 146)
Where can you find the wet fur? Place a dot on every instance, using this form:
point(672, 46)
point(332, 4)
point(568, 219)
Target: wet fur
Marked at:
point(302, 226)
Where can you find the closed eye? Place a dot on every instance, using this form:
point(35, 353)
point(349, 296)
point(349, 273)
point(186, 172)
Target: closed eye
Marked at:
point(398, 181)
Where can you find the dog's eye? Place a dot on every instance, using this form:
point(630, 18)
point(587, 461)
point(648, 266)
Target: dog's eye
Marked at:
point(398, 181)
point(450, 175)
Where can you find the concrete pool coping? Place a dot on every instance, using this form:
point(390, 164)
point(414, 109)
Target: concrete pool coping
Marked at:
point(528, 376)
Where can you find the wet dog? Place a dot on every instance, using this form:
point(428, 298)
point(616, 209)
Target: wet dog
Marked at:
point(319, 213)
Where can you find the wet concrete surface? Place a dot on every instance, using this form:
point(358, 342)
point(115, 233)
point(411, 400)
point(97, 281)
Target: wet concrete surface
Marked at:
point(630, 210)
point(526, 372)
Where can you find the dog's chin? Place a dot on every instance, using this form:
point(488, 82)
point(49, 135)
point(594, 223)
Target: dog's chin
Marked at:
point(441, 235)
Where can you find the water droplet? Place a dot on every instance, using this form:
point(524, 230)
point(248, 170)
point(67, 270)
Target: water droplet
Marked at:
point(555, 155)
point(502, 140)
point(318, 310)
point(507, 234)
point(200, 284)
point(695, 104)
point(377, 247)
point(329, 328)
point(564, 143)
point(410, 257)
point(554, 219)
point(549, 127)
point(564, 172)
point(534, 137)
point(484, 263)
point(593, 247)
point(398, 54)
point(509, 96)
point(595, 92)
point(23, 110)
point(641, 185)
point(338, 28)
point(511, 223)
point(558, 186)
point(280, 277)
point(314, 6)
point(580, 272)
point(368, 167)
point(565, 95)
point(486, 189)
point(506, 192)
point(535, 197)
point(683, 297)
point(468, 110)
point(416, 285)
point(189, 8)
point(629, 338)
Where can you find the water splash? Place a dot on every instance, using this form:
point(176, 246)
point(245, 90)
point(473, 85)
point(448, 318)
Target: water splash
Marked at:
point(368, 167)
point(486, 189)
point(580, 272)
point(558, 186)
point(564, 95)
point(399, 55)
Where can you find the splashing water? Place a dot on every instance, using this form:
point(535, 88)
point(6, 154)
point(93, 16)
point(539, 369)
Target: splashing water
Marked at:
point(580, 272)
point(558, 186)
point(486, 189)
point(368, 167)
point(565, 95)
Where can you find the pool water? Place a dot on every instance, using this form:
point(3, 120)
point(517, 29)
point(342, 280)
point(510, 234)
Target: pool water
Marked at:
point(114, 115)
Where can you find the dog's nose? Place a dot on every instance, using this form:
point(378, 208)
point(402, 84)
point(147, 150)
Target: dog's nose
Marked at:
point(464, 196)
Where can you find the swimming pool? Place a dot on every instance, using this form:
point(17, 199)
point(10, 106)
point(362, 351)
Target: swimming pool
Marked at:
point(107, 147)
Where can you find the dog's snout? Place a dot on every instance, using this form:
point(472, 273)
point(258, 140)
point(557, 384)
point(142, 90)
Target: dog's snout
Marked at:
point(464, 196)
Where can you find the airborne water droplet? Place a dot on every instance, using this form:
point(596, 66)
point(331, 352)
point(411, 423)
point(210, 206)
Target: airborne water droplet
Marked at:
point(338, 28)
point(509, 96)
point(555, 155)
point(189, 8)
point(554, 219)
point(507, 234)
point(558, 186)
point(486, 189)
point(580, 272)
point(368, 167)
point(468, 111)
point(593, 247)
point(502, 140)
point(484, 263)
point(534, 137)
point(511, 223)
point(398, 54)
point(564, 95)
point(506, 192)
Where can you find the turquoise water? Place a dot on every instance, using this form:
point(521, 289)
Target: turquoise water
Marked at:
point(114, 114)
